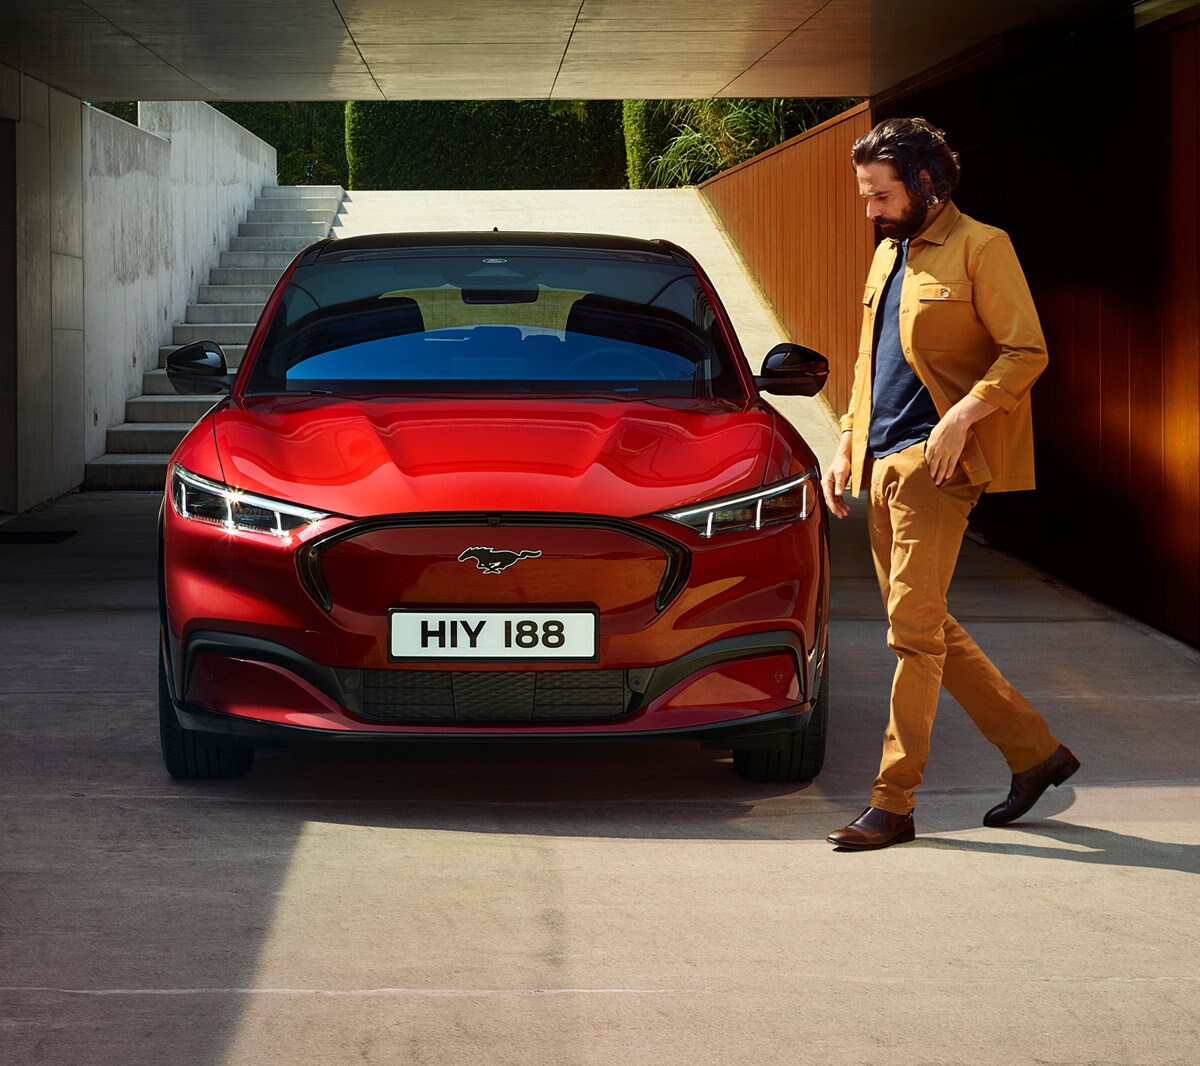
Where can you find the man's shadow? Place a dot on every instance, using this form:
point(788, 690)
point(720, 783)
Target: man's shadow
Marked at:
point(1105, 848)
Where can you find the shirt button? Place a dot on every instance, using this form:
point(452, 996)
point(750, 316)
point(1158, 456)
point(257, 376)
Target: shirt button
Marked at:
point(945, 294)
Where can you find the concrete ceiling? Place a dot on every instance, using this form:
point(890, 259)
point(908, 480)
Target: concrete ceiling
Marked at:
point(497, 49)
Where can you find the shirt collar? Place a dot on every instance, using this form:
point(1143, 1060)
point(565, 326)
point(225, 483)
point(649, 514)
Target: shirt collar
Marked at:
point(941, 226)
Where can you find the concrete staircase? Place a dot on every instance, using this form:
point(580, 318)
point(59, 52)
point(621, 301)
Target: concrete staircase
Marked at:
point(284, 220)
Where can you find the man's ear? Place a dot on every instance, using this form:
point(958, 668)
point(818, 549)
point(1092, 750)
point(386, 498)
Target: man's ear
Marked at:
point(926, 181)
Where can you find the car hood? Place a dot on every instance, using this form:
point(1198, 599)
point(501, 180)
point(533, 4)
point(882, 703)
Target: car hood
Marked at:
point(360, 457)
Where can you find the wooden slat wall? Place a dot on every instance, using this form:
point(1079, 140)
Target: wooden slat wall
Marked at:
point(795, 215)
point(1180, 349)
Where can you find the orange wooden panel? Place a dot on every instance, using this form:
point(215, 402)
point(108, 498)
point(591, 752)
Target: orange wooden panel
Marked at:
point(793, 213)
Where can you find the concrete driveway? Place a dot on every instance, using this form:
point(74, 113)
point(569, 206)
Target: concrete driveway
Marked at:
point(556, 905)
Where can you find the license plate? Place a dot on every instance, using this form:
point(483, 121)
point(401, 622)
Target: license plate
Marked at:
point(491, 634)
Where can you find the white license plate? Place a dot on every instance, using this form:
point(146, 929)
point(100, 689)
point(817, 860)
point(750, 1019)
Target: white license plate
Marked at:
point(489, 634)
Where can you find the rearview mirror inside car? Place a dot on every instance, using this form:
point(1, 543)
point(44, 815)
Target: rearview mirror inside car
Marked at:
point(793, 370)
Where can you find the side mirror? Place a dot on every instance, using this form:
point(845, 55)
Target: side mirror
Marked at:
point(793, 370)
point(199, 367)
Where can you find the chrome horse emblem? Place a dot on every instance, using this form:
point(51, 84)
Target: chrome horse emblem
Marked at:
point(491, 561)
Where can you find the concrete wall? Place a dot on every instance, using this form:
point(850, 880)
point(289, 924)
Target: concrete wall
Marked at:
point(41, 418)
point(160, 204)
point(106, 231)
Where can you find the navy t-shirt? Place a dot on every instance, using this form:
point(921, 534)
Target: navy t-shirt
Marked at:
point(902, 412)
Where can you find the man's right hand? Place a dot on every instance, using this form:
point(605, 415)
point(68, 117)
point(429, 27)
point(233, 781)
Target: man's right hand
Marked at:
point(833, 484)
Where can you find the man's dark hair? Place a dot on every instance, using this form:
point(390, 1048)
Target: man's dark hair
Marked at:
point(911, 145)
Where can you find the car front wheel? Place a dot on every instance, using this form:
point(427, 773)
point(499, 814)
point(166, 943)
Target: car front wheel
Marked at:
point(799, 756)
point(185, 755)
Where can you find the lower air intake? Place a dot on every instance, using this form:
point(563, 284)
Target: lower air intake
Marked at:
point(493, 696)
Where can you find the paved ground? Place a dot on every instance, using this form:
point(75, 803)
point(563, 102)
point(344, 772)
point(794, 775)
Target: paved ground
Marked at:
point(555, 906)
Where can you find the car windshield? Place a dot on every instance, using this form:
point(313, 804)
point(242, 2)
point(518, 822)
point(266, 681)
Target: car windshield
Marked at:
point(496, 321)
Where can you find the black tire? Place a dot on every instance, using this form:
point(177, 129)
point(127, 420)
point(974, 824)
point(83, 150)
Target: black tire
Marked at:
point(187, 756)
point(798, 757)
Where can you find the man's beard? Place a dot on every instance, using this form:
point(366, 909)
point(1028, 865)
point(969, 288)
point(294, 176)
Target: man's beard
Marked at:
point(910, 220)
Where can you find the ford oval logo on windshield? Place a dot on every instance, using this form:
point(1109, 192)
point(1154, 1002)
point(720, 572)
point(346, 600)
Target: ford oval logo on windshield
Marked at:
point(495, 260)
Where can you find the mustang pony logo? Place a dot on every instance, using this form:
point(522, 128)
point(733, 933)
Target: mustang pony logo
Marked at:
point(491, 561)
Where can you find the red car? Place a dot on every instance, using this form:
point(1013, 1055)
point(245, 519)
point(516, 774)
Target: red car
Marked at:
point(494, 486)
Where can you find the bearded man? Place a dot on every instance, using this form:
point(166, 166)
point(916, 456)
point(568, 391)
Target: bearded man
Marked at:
point(939, 413)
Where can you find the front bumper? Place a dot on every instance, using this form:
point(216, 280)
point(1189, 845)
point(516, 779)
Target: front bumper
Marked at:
point(678, 700)
point(761, 730)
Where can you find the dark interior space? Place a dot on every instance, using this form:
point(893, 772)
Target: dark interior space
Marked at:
point(1083, 146)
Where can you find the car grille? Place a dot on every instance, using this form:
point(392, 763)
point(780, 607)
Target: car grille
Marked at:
point(494, 696)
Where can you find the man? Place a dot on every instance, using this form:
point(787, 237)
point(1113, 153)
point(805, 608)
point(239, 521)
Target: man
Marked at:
point(939, 413)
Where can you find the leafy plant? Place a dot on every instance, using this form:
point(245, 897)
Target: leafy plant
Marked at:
point(713, 135)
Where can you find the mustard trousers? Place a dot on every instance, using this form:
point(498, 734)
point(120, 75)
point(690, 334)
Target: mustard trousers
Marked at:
point(916, 532)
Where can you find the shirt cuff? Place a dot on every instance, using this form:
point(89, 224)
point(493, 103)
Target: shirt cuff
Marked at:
point(993, 394)
point(846, 422)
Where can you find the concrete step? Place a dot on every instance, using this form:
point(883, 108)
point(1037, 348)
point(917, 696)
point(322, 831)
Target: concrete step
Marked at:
point(302, 191)
point(142, 438)
point(274, 261)
point(291, 244)
point(222, 312)
point(313, 216)
point(221, 332)
point(168, 408)
point(328, 204)
point(114, 472)
point(234, 354)
point(235, 294)
point(285, 220)
point(239, 276)
point(156, 383)
point(314, 231)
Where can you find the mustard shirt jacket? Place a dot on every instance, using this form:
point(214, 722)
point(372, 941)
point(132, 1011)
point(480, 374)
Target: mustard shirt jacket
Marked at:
point(967, 325)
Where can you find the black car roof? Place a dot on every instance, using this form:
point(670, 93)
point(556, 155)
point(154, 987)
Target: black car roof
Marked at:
point(386, 244)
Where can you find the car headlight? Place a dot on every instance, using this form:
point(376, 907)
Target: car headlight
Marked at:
point(202, 500)
point(785, 501)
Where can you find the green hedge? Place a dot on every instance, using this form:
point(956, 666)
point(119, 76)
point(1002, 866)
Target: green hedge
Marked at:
point(496, 144)
point(648, 130)
point(309, 138)
point(126, 110)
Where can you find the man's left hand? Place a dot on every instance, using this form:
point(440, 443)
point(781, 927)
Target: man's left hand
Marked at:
point(945, 445)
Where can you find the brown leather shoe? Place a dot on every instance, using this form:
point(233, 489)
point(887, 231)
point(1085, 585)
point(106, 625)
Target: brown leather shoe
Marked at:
point(1028, 786)
point(874, 828)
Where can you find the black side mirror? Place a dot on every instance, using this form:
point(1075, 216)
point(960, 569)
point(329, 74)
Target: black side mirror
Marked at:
point(793, 370)
point(199, 367)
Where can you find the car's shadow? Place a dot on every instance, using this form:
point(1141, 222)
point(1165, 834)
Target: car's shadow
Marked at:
point(618, 789)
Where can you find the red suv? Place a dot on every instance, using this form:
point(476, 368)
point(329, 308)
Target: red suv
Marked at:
point(494, 486)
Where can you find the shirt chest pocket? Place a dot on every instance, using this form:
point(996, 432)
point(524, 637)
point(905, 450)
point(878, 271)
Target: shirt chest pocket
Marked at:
point(945, 316)
point(868, 330)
